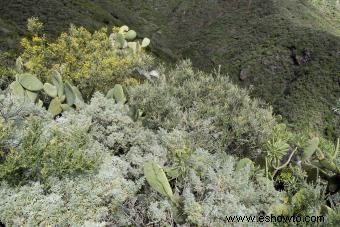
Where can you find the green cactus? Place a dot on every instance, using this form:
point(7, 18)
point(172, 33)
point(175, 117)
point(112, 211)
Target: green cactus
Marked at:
point(55, 106)
point(130, 35)
point(60, 90)
point(30, 82)
point(123, 29)
point(133, 46)
point(62, 98)
point(56, 78)
point(69, 93)
point(77, 93)
point(17, 89)
point(50, 90)
point(31, 95)
point(66, 107)
point(40, 103)
point(119, 39)
point(145, 42)
point(118, 94)
point(28, 86)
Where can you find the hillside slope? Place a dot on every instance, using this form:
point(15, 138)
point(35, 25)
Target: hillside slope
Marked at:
point(287, 51)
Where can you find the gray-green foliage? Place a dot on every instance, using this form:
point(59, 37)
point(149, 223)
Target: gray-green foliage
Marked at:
point(216, 113)
point(63, 95)
point(117, 93)
point(118, 194)
point(37, 147)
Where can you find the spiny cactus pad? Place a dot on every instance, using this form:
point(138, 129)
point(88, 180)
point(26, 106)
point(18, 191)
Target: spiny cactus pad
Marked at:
point(70, 96)
point(78, 94)
point(32, 96)
point(30, 82)
point(123, 29)
point(56, 78)
point(145, 42)
point(130, 35)
point(50, 90)
point(65, 107)
point(55, 107)
point(133, 46)
point(17, 89)
point(118, 94)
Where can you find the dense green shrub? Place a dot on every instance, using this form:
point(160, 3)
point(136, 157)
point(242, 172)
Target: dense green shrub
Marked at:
point(35, 147)
point(88, 60)
point(164, 158)
point(216, 113)
point(118, 194)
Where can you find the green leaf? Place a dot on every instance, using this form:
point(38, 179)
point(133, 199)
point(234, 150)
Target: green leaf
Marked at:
point(310, 148)
point(130, 35)
point(55, 106)
point(157, 179)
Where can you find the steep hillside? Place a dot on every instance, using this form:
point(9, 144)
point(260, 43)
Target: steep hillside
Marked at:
point(287, 51)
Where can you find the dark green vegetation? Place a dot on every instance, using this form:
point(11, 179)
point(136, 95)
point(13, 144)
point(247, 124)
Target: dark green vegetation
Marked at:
point(287, 50)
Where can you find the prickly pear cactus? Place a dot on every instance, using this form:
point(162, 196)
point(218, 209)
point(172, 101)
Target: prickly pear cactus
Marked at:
point(32, 96)
point(51, 90)
point(77, 93)
point(118, 94)
point(69, 93)
point(145, 42)
point(55, 107)
point(17, 89)
point(130, 35)
point(56, 78)
point(123, 29)
point(30, 82)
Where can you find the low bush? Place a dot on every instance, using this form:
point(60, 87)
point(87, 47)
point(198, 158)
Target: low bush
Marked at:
point(117, 194)
point(90, 61)
point(216, 113)
point(35, 147)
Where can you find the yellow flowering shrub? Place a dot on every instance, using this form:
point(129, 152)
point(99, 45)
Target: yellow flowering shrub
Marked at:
point(88, 60)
